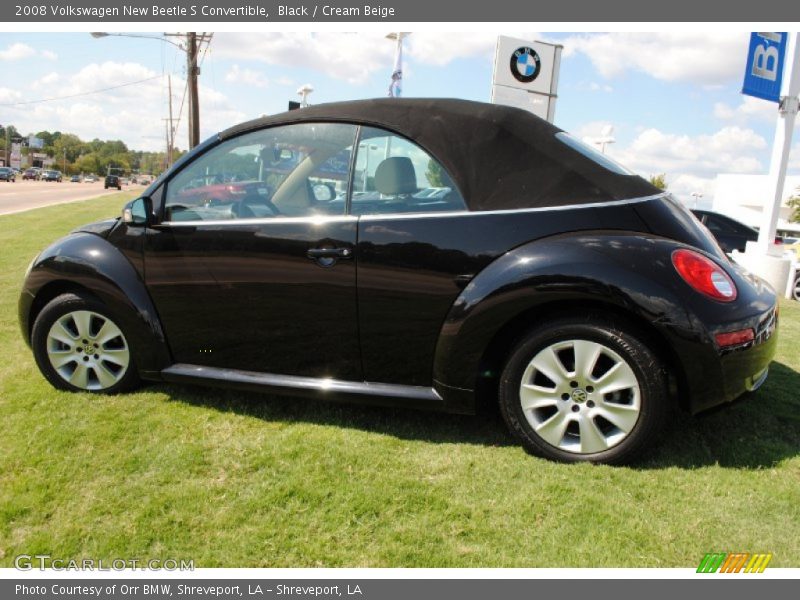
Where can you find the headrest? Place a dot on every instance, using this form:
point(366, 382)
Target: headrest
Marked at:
point(396, 175)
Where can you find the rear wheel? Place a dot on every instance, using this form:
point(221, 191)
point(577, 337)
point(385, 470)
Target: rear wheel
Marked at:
point(584, 390)
point(79, 346)
point(796, 288)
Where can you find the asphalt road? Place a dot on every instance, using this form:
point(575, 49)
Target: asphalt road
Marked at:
point(26, 195)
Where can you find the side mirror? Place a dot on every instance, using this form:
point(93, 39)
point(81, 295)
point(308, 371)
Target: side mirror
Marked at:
point(138, 213)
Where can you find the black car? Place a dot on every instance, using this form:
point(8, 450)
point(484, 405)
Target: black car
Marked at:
point(113, 181)
point(295, 254)
point(730, 233)
point(8, 174)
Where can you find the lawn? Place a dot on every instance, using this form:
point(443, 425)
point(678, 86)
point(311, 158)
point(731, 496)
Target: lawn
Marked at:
point(235, 479)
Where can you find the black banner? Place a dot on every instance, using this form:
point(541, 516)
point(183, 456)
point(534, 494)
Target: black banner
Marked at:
point(344, 11)
point(728, 587)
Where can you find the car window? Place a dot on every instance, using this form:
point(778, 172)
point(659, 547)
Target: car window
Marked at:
point(394, 175)
point(717, 224)
point(290, 171)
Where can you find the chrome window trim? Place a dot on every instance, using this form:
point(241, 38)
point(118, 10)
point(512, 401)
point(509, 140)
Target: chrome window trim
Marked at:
point(313, 219)
point(322, 219)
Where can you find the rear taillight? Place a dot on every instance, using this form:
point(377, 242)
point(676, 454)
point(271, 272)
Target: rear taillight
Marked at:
point(704, 275)
point(735, 338)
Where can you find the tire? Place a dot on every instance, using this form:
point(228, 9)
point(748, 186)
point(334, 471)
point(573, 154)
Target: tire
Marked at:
point(796, 288)
point(567, 416)
point(79, 347)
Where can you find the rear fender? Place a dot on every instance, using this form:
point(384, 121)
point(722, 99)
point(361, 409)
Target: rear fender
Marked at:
point(630, 273)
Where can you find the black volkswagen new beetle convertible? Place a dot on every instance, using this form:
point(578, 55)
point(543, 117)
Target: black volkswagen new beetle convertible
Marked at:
point(422, 253)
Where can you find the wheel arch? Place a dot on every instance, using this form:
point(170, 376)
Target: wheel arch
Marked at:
point(88, 264)
point(502, 344)
point(620, 275)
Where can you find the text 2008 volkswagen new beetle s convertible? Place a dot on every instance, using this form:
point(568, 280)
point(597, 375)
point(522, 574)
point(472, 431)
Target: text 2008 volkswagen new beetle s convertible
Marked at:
point(421, 253)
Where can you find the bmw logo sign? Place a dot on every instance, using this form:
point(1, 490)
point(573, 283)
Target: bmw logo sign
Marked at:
point(525, 64)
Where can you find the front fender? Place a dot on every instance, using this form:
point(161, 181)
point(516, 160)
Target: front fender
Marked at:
point(88, 261)
point(630, 273)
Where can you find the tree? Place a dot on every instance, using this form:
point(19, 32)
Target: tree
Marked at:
point(794, 204)
point(70, 144)
point(435, 174)
point(660, 180)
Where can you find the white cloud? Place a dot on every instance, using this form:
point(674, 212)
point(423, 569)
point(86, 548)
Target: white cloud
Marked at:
point(749, 109)
point(353, 57)
point(17, 51)
point(441, 48)
point(706, 58)
point(49, 55)
point(347, 56)
point(46, 80)
point(730, 150)
point(8, 95)
point(134, 113)
point(691, 163)
point(246, 77)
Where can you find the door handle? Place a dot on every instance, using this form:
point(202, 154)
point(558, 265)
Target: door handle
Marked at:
point(315, 253)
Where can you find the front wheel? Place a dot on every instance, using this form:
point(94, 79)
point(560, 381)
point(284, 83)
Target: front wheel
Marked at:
point(79, 346)
point(796, 288)
point(580, 390)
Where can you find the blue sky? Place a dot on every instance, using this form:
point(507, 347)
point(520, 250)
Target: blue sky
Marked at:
point(673, 98)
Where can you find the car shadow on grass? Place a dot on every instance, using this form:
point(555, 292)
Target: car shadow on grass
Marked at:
point(758, 431)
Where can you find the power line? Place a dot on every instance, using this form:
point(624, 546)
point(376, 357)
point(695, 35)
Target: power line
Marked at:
point(113, 87)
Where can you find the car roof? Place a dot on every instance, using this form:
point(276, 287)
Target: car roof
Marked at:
point(500, 157)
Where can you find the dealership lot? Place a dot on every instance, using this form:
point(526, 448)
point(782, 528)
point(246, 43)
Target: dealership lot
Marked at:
point(232, 479)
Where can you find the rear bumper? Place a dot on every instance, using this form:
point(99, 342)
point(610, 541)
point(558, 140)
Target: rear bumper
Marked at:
point(721, 375)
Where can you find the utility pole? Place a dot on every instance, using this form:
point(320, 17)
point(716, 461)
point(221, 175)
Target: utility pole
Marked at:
point(171, 129)
point(8, 162)
point(194, 97)
point(171, 126)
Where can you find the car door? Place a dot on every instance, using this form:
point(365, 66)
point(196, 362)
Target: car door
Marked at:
point(416, 250)
point(251, 265)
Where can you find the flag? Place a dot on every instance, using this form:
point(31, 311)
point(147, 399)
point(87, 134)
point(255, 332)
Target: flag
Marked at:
point(395, 87)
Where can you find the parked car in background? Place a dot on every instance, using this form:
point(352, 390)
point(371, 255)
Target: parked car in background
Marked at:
point(548, 279)
point(792, 244)
point(32, 174)
point(75, 179)
point(729, 233)
point(113, 181)
point(52, 176)
point(89, 179)
point(7, 174)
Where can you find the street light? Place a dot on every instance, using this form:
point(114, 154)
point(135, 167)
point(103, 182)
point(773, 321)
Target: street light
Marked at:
point(192, 72)
point(696, 196)
point(303, 91)
point(604, 139)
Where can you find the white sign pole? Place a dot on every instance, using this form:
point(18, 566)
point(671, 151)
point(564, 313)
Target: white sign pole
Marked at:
point(787, 112)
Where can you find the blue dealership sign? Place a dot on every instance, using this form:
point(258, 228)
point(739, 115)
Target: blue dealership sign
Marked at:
point(764, 71)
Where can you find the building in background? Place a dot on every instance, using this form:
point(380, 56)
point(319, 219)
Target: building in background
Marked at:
point(743, 197)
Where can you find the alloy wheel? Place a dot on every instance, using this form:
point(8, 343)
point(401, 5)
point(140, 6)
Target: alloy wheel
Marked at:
point(88, 350)
point(580, 396)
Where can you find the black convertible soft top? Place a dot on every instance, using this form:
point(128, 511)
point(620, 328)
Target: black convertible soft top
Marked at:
point(500, 157)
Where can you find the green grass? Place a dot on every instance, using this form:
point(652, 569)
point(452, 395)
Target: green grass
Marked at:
point(234, 479)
